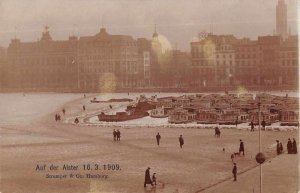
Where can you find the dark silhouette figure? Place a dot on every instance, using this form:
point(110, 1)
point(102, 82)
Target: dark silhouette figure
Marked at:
point(158, 137)
point(278, 150)
point(64, 111)
point(83, 107)
point(294, 146)
point(281, 147)
point(252, 126)
point(263, 124)
point(217, 132)
point(181, 141)
point(234, 171)
point(115, 135)
point(56, 117)
point(76, 120)
point(110, 106)
point(118, 135)
point(242, 148)
point(147, 178)
point(154, 179)
point(289, 146)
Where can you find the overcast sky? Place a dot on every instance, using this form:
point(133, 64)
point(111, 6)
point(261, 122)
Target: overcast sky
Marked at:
point(179, 20)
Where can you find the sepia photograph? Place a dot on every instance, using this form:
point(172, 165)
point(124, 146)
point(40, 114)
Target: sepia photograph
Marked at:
point(149, 96)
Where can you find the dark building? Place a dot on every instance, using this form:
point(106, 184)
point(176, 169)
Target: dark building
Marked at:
point(45, 65)
point(288, 62)
point(102, 62)
point(247, 62)
point(224, 61)
point(3, 68)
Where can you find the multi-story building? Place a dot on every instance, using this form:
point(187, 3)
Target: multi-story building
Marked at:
point(269, 69)
point(247, 62)
point(147, 60)
point(107, 61)
point(213, 60)
point(203, 62)
point(178, 65)
point(3, 66)
point(102, 62)
point(42, 65)
point(288, 62)
point(226, 61)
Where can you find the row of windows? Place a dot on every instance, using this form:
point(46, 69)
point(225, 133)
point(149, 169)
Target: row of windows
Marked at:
point(288, 54)
point(224, 55)
point(109, 44)
point(289, 62)
point(42, 60)
point(224, 62)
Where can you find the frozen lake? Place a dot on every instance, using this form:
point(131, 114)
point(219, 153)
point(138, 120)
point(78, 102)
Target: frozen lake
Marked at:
point(19, 109)
point(199, 164)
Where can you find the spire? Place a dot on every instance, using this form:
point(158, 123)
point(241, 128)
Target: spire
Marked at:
point(16, 32)
point(102, 23)
point(155, 34)
point(46, 28)
point(46, 35)
point(73, 29)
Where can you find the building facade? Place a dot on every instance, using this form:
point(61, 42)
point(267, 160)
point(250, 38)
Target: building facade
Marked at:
point(3, 67)
point(43, 65)
point(107, 62)
point(225, 61)
point(247, 63)
point(102, 62)
point(288, 62)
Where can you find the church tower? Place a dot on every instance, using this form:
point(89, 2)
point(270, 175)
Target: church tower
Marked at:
point(156, 45)
point(281, 19)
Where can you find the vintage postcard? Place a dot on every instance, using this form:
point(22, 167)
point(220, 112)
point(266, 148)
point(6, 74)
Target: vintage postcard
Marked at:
point(149, 96)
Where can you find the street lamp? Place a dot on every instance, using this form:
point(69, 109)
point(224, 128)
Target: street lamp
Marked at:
point(260, 157)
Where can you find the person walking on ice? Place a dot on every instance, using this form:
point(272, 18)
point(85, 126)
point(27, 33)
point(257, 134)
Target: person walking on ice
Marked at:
point(181, 141)
point(118, 135)
point(115, 135)
point(252, 126)
point(242, 148)
point(147, 177)
point(158, 137)
point(154, 179)
point(234, 172)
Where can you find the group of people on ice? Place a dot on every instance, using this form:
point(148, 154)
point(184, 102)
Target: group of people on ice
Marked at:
point(117, 135)
point(291, 147)
point(181, 140)
point(148, 179)
point(57, 116)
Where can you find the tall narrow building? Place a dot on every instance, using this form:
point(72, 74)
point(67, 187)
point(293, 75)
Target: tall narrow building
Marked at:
point(281, 19)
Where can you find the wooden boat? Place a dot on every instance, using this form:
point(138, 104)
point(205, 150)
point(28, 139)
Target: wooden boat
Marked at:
point(121, 116)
